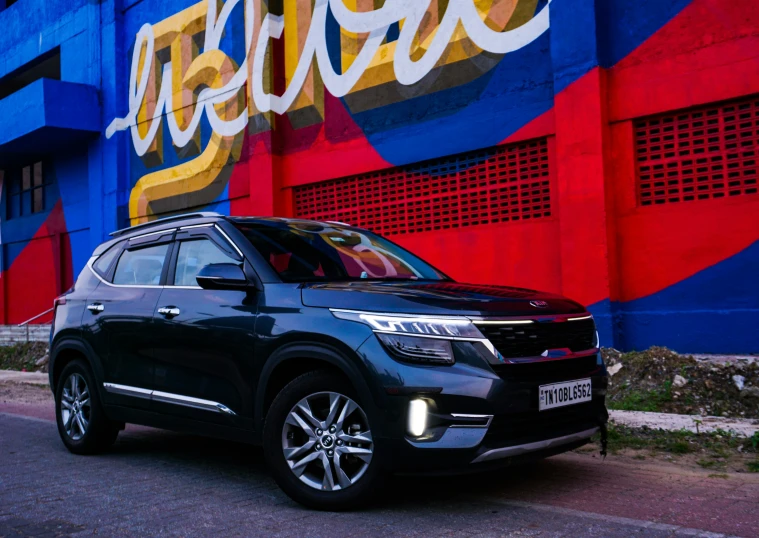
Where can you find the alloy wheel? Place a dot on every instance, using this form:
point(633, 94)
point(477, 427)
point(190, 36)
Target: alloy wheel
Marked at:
point(327, 442)
point(75, 406)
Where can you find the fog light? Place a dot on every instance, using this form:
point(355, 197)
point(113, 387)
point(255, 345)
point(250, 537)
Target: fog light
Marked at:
point(417, 417)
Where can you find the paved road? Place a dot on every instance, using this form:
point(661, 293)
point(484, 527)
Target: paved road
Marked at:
point(161, 483)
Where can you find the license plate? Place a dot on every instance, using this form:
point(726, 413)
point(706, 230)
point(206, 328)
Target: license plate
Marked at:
point(566, 393)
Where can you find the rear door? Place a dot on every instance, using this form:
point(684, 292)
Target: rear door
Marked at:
point(205, 354)
point(118, 321)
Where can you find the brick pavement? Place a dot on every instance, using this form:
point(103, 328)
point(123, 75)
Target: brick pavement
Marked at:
point(156, 482)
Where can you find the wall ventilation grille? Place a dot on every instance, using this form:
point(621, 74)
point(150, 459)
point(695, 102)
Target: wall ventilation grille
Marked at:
point(700, 154)
point(500, 184)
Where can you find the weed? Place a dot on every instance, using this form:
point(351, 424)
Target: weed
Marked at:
point(679, 447)
point(651, 400)
point(21, 356)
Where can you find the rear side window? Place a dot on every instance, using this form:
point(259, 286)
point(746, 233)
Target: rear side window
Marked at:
point(194, 256)
point(104, 262)
point(141, 267)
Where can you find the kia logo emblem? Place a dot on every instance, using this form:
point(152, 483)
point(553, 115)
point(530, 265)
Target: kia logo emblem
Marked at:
point(539, 304)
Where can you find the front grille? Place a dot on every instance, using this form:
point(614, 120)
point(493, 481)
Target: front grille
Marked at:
point(543, 372)
point(531, 340)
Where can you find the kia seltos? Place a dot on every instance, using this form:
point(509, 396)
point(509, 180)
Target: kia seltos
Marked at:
point(344, 355)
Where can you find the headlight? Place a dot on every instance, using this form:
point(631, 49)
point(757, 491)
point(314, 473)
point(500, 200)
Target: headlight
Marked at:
point(417, 338)
point(418, 349)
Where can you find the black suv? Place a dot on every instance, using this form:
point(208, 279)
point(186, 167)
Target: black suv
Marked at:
point(341, 353)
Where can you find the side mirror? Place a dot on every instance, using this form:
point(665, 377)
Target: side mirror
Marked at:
point(222, 276)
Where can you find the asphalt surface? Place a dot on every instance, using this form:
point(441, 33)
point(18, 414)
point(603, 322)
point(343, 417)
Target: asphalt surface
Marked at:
point(161, 483)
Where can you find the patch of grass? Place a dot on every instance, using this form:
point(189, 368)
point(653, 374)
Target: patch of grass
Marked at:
point(715, 446)
point(21, 356)
point(753, 466)
point(709, 464)
point(680, 447)
point(650, 400)
point(715, 475)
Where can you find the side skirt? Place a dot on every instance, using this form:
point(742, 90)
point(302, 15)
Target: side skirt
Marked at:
point(142, 417)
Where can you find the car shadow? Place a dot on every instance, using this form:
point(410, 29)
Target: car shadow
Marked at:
point(246, 462)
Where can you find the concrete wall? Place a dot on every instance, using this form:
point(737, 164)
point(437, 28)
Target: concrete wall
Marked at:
point(519, 146)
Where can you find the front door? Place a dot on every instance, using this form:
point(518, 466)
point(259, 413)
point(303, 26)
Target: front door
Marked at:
point(204, 358)
point(119, 320)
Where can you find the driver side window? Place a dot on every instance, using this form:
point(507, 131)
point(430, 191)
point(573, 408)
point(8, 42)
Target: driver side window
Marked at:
point(195, 255)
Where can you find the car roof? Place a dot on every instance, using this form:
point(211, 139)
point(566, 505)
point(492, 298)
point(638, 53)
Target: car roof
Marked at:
point(175, 221)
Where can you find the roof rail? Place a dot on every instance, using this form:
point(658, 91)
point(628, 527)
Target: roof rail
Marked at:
point(164, 220)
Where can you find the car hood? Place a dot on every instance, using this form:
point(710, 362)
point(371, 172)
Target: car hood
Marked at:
point(433, 297)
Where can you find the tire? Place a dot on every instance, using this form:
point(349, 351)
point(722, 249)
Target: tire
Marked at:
point(99, 432)
point(349, 449)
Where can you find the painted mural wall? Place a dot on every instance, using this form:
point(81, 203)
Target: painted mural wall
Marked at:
point(507, 141)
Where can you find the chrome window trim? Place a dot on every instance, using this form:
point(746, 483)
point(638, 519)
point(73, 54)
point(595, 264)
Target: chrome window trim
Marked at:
point(168, 397)
point(517, 450)
point(168, 230)
point(208, 225)
point(229, 240)
point(104, 281)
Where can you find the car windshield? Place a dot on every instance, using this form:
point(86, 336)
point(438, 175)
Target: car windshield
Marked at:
point(303, 251)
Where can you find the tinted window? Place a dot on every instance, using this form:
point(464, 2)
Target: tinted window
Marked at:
point(307, 251)
point(194, 256)
point(103, 263)
point(141, 267)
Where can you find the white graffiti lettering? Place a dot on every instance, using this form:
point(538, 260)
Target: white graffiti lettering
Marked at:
point(374, 23)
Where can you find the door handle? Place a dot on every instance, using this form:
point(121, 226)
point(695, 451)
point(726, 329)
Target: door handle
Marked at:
point(168, 311)
point(95, 308)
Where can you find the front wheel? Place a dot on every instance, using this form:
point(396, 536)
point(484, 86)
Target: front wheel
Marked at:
point(82, 423)
point(319, 444)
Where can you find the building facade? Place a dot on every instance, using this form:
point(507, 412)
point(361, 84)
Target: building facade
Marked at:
point(602, 149)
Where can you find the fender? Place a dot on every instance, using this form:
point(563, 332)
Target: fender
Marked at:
point(318, 351)
point(81, 346)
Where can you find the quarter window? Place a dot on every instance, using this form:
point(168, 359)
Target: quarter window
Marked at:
point(103, 263)
point(141, 267)
point(194, 256)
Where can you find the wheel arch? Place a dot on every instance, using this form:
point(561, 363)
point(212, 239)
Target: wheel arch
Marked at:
point(295, 359)
point(68, 349)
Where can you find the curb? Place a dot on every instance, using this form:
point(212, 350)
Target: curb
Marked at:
point(27, 378)
point(694, 423)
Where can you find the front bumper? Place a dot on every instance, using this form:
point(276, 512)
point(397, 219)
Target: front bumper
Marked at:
point(499, 405)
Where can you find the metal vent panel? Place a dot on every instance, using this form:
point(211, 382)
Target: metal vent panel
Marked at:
point(700, 154)
point(499, 184)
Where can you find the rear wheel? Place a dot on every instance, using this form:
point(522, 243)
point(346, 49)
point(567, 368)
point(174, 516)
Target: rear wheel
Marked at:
point(82, 424)
point(319, 444)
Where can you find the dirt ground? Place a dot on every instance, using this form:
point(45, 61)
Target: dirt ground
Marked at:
point(725, 464)
point(22, 393)
point(661, 380)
